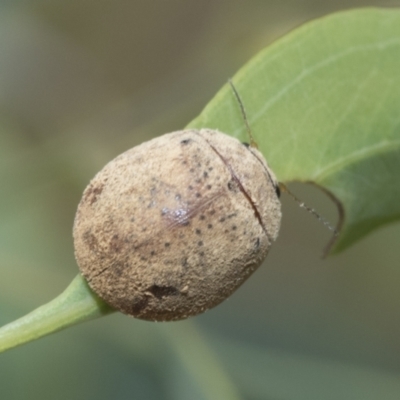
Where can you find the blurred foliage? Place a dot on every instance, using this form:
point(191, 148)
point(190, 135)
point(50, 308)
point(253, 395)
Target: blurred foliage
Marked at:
point(81, 81)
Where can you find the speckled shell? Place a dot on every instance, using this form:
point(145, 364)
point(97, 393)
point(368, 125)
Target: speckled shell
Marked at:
point(172, 227)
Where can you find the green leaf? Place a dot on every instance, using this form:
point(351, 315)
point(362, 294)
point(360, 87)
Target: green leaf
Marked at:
point(76, 304)
point(323, 104)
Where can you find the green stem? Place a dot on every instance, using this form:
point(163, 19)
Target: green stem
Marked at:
point(76, 304)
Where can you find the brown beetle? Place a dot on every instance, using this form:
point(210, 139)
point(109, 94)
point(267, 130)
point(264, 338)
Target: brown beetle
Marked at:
point(172, 227)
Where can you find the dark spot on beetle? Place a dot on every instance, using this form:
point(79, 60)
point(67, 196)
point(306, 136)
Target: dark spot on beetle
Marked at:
point(118, 267)
point(198, 232)
point(209, 226)
point(90, 240)
point(132, 219)
point(186, 141)
point(190, 187)
point(208, 187)
point(234, 227)
point(138, 305)
point(162, 291)
point(116, 244)
point(184, 162)
point(198, 194)
point(232, 215)
point(152, 253)
point(199, 165)
point(191, 170)
point(257, 244)
point(222, 219)
point(200, 243)
point(210, 169)
point(201, 254)
point(205, 174)
point(246, 144)
point(93, 192)
point(278, 191)
point(202, 217)
point(144, 229)
point(231, 185)
point(212, 212)
point(198, 180)
point(167, 244)
point(143, 258)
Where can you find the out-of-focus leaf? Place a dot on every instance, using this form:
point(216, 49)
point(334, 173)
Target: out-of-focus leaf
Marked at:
point(273, 374)
point(195, 372)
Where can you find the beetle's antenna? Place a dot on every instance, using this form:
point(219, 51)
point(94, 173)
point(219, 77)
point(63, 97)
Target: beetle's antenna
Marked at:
point(301, 204)
point(281, 186)
point(253, 143)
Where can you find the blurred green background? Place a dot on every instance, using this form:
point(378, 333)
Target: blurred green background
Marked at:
point(82, 81)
